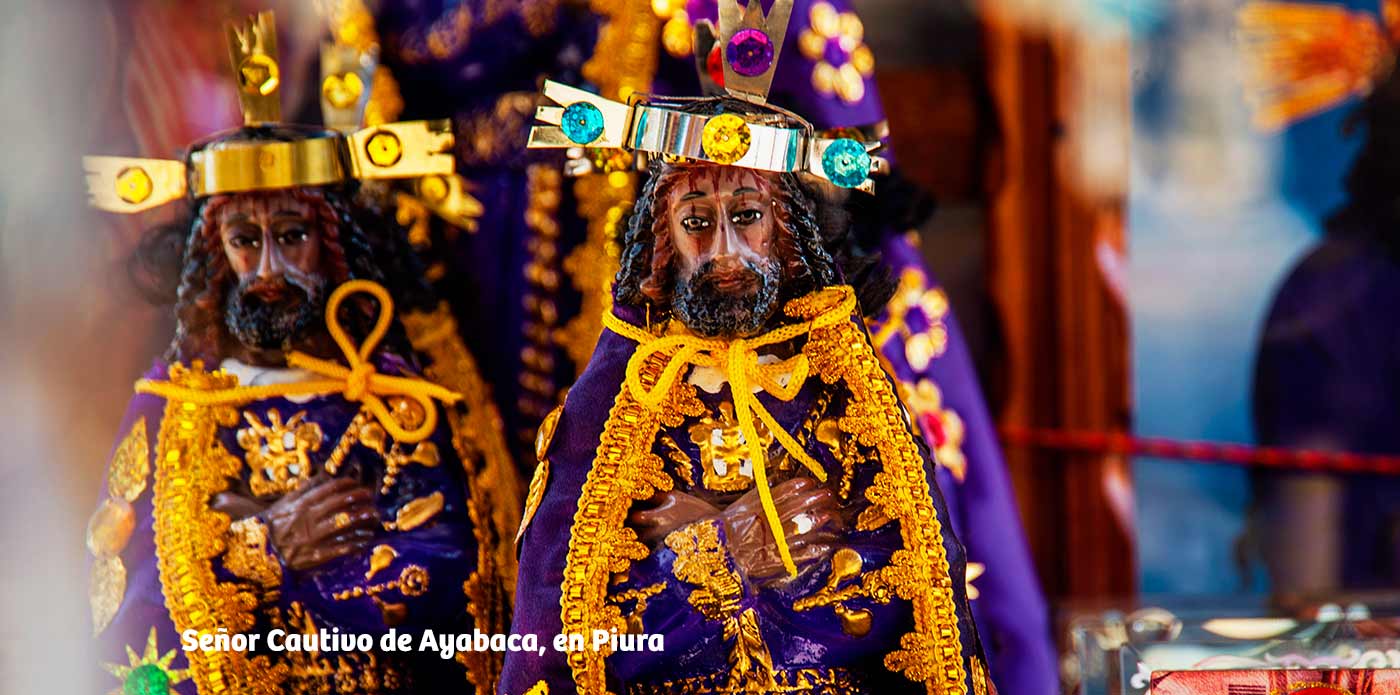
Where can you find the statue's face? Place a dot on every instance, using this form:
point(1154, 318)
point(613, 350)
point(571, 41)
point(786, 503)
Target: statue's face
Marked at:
point(723, 232)
point(273, 245)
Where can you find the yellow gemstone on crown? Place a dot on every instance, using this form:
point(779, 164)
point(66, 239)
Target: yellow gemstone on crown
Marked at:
point(725, 138)
point(344, 90)
point(258, 74)
point(384, 149)
point(134, 185)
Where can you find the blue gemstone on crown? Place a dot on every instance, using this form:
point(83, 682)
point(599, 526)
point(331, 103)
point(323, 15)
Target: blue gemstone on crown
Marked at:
point(582, 122)
point(846, 163)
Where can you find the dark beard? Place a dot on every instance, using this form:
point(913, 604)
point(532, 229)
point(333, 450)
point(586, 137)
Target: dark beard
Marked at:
point(273, 314)
point(712, 311)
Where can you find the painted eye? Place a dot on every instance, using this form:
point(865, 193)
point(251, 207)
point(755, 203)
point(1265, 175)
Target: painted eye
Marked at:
point(245, 241)
point(744, 218)
point(695, 224)
point(292, 236)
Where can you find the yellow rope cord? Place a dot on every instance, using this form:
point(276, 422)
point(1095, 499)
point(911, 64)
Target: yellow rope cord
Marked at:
point(359, 382)
point(738, 359)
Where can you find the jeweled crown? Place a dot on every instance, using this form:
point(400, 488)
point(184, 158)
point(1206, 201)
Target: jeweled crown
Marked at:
point(238, 161)
point(766, 137)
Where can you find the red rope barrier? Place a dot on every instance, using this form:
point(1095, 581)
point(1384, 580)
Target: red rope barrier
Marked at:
point(1122, 444)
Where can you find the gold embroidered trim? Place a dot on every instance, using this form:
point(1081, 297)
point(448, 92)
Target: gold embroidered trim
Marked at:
point(933, 651)
point(701, 560)
point(191, 467)
point(828, 681)
point(411, 582)
point(248, 557)
point(600, 544)
point(625, 470)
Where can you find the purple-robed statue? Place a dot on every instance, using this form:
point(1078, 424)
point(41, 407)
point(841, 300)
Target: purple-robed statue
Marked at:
point(827, 76)
point(545, 239)
point(732, 498)
point(304, 464)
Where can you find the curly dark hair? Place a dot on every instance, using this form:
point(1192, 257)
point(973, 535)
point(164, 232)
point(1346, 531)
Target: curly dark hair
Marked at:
point(184, 262)
point(816, 247)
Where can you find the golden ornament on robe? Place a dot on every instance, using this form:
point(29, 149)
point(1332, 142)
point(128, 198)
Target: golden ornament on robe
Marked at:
point(416, 512)
point(106, 587)
point(110, 527)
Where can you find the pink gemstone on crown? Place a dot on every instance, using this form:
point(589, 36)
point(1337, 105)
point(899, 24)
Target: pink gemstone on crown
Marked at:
point(750, 52)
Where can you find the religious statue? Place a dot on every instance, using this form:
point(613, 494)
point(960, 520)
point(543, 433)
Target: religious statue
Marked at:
point(550, 239)
point(732, 498)
point(305, 470)
point(829, 79)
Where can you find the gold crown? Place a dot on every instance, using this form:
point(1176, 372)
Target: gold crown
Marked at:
point(772, 139)
point(409, 149)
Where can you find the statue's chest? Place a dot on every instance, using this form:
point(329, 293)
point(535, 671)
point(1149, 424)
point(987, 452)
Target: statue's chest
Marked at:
point(283, 443)
point(710, 456)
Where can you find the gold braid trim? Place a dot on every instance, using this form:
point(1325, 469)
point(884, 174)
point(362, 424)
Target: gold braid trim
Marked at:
point(933, 651)
point(600, 544)
point(192, 466)
point(625, 470)
point(493, 484)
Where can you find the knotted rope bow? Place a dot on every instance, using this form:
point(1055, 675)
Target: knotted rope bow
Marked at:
point(738, 360)
point(359, 382)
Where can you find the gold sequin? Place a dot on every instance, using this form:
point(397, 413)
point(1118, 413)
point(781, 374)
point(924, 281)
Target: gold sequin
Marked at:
point(131, 464)
point(416, 512)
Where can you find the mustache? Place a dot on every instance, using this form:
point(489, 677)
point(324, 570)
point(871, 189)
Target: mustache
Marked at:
point(270, 313)
point(729, 299)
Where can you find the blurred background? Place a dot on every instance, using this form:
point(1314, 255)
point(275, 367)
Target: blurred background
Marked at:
point(1112, 232)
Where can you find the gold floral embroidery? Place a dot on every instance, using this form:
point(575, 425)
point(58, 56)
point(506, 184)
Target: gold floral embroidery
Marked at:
point(701, 560)
point(724, 455)
point(248, 556)
point(831, 33)
point(538, 482)
point(919, 571)
point(380, 558)
point(625, 470)
point(600, 544)
point(278, 453)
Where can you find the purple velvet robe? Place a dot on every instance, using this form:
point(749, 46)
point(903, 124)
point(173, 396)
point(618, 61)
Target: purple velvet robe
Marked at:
point(1011, 611)
point(444, 546)
point(697, 649)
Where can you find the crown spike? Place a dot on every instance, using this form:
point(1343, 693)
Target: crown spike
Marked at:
point(252, 48)
point(751, 42)
point(347, 74)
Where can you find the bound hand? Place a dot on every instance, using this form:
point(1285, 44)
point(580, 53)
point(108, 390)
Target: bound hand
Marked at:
point(810, 518)
point(323, 520)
